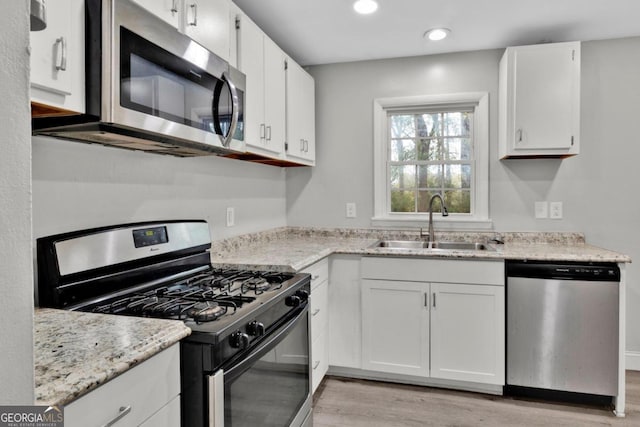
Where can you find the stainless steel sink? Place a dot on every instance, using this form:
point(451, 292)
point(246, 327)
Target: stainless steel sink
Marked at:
point(420, 244)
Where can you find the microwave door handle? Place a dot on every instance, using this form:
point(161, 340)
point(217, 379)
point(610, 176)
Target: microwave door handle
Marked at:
point(226, 139)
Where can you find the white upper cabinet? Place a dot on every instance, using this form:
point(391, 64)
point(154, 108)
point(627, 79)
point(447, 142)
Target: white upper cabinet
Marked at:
point(57, 57)
point(263, 63)
point(539, 101)
point(205, 21)
point(301, 129)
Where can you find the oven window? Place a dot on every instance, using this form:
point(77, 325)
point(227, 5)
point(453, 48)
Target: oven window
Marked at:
point(272, 391)
point(156, 82)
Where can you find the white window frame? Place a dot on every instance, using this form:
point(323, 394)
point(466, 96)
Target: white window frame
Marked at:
point(479, 216)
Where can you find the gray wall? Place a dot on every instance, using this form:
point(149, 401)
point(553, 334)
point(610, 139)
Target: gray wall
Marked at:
point(595, 186)
point(16, 304)
point(78, 186)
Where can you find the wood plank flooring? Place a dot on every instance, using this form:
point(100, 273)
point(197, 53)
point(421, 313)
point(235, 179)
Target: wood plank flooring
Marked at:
point(355, 403)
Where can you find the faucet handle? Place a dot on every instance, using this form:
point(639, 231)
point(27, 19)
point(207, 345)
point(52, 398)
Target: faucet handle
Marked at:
point(423, 234)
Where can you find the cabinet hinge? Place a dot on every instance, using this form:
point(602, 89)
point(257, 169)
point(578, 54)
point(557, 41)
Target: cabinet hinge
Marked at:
point(286, 146)
point(286, 65)
point(237, 23)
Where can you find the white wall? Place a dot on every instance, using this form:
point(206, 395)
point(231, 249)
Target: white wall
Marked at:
point(77, 186)
point(596, 187)
point(16, 303)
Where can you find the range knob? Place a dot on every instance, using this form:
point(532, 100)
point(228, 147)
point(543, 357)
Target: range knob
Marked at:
point(255, 329)
point(296, 299)
point(239, 340)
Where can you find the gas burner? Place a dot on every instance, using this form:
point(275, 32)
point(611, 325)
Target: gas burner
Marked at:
point(206, 311)
point(256, 284)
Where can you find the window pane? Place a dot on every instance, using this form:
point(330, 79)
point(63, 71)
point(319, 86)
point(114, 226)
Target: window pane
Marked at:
point(430, 176)
point(403, 150)
point(457, 148)
point(402, 201)
point(428, 149)
point(457, 124)
point(423, 201)
point(458, 201)
point(402, 126)
point(428, 125)
point(457, 176)
point(403, 177)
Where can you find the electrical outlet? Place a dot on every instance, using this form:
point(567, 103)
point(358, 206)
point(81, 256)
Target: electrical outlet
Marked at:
point(542, 210)
point(555, 210)
point(231, 217)
point(351, 210)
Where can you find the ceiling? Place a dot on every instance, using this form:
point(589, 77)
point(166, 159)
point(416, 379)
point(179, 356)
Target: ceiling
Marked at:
point(328, 31)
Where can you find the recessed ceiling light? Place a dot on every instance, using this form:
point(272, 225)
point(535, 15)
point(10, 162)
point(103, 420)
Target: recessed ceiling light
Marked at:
point(365, 7)
point(436, 34)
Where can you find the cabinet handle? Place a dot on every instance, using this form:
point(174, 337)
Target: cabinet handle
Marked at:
point(426, 299)
point(315, 312)
point(194, 7)
point(315, 277)
point(306, 146)
point(124, 410)
point(519, 133)
point(269, 133)
point(174, 7)
point(262, 130)
point(63, 54)
point(434, 300)
point(301, 145)
point(316, 364)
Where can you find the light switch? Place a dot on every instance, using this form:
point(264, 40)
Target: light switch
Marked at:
point(231, 220)
point(351, 210)
point(555, 210)
point(542, 210)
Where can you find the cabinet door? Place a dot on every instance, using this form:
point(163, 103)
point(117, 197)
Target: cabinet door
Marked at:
point(57, 57)
point(274, 96)
point(207, 22)
point(467, 332)
point(540, 100)
point(395, 327)
point(250, 55)
point(300, 114)
point(167, 10)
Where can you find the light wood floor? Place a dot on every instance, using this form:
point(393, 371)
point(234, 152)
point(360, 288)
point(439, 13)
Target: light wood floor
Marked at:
point(347, 402)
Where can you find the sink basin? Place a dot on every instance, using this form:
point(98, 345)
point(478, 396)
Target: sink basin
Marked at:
point(420, 244)
point(401, 244)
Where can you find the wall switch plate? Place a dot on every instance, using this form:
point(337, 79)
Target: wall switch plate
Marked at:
point(542, 210)
point(555, 210)
point(231, 217)
point(351, 210)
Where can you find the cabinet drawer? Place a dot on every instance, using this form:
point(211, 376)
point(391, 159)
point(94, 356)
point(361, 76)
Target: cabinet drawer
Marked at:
point(319, 309)
point(145, 388)
point(319, 272)
point(167, 416)
point(319, 360)
point(434, 270)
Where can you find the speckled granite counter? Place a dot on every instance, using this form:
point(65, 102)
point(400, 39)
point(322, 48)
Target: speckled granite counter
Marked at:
point(77, 352)
point(292, 249)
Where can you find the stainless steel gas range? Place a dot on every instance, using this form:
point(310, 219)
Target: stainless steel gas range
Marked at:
point(246, 362)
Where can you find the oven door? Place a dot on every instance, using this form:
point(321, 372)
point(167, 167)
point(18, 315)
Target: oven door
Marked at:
point(268, 387)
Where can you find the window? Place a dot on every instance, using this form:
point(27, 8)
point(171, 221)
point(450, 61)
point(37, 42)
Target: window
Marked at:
point(432, 145)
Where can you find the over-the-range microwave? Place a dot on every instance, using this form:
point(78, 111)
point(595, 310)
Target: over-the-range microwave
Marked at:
point(152, 88)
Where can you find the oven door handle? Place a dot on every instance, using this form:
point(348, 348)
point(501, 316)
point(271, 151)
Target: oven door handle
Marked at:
point(216, 399)
point(257, 353)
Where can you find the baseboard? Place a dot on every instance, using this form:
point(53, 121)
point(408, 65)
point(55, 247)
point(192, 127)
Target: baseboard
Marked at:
point(632, 360)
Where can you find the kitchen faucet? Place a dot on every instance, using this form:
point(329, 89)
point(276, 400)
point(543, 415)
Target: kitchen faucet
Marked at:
point(444, 211)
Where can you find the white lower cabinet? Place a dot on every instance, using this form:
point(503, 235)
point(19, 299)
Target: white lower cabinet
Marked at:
point(395, 327)
point(427, 329)
point(148, 394)
point(319, 311)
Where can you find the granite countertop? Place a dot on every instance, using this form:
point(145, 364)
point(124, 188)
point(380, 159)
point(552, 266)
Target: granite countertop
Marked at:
point(76, 352)
point(292, 249)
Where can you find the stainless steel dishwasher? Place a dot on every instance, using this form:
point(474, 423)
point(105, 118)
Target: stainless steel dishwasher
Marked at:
point(562, 326)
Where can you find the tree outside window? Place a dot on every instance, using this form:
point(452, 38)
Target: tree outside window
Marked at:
point(430, 152)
